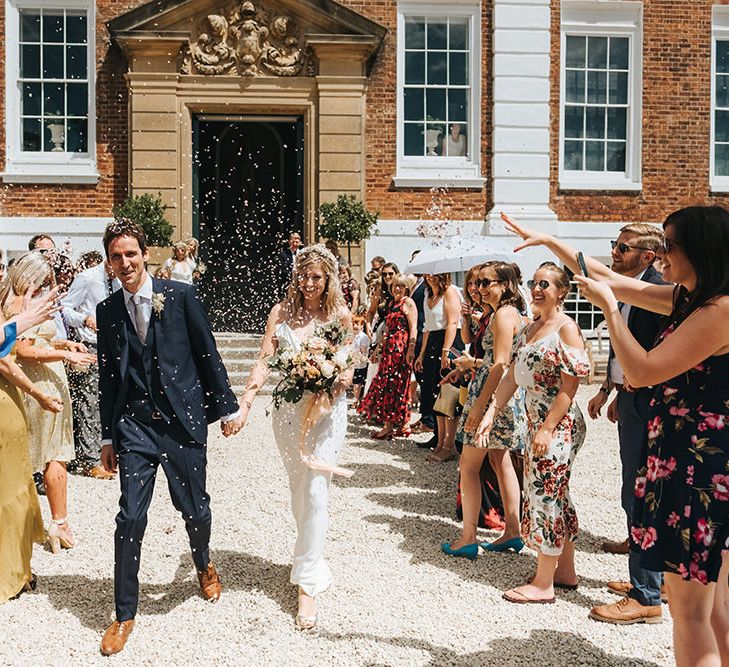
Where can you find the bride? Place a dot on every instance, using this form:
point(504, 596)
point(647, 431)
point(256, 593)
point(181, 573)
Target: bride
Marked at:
point(314, 298)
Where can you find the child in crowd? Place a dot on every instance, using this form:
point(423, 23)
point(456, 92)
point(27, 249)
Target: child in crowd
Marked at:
point(361, 352)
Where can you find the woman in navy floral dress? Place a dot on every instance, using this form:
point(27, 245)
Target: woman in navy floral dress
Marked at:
point(388, 398)
point(681, 513)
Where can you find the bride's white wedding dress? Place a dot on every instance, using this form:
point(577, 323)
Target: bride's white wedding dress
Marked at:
point(309, 488)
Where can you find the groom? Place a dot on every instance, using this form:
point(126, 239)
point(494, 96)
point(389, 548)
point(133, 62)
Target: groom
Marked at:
point(161, 382)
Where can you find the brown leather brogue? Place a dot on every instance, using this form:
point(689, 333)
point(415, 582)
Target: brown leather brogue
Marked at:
point(115, 637)
point(210, 584)
point(626, 611)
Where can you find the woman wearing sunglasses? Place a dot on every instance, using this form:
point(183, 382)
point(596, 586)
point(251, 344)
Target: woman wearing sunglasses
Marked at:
point(549, 360)
point(681, 514)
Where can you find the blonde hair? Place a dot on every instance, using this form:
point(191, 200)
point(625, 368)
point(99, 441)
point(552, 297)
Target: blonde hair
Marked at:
point(29, 272)
point(332, 300)
point(179, 245)
point(648, 236)
point(406, 280)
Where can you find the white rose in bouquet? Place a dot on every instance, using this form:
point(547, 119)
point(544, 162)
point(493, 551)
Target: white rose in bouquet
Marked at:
point(316, 344)
point(341, 358)
point(327, 369)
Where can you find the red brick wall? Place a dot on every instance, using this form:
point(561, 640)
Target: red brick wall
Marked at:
point(676, 119)
point(111, 137)
point(380, 150)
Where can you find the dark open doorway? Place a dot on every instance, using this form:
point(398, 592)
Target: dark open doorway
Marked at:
point(248, 190)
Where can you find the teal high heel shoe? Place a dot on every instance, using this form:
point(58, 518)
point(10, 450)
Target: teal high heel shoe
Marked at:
point(515, 544)
point(469, 551)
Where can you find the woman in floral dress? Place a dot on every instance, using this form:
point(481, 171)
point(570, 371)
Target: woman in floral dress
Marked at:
point(681, 513)
point(549, 361)
point(499, 290)
point(388, 398)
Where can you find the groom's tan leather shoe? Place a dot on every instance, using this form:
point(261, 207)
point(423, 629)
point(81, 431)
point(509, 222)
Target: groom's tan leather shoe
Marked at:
point(115, 637)
point(210, 584)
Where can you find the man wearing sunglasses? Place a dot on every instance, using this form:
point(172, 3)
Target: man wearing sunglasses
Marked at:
point(633, 254)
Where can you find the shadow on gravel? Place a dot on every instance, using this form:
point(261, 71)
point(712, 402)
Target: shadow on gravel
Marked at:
point(541, 647)
point(422, 538)
point(92, 600)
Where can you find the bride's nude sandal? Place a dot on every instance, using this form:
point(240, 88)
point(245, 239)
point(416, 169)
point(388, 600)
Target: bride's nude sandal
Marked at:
point(306, 624)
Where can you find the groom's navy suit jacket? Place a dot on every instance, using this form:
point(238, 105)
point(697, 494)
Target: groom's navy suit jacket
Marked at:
point(181, 351)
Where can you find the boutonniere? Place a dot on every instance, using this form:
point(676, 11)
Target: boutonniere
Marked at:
point(158, 302)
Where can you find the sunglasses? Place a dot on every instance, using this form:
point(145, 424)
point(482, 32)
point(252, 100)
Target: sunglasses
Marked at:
point(624, 247)
point(485, 282)
point(667, 245)
point(388, 273)
point(543, 284)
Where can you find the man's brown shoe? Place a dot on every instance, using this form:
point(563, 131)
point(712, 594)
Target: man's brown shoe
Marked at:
point(627, 611)
point(210, 583)
point(115, 637)
point(621, 548)
point(99, 472)
point(623, 588)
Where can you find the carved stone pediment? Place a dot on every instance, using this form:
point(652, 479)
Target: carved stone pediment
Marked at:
point(249, 40)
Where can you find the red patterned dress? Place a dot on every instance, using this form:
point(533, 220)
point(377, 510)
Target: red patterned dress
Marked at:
point(388, 399)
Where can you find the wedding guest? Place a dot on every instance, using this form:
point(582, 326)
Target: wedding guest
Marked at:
point(178, 266)
point(681, 505)
point(50, 435)
point(388, 398)
point(361, 345)
point(549, 360)
point(376, 263)
point(286, 259)
point(89, 260)
point(381, 300)
point(442, 310)
point(20, 516)
point(89, 289)
point(333, 248)
point(314, 298)
point(499, 290)
point(193, 251)
point(42, 242)
point(350, 287)
point(162, 273)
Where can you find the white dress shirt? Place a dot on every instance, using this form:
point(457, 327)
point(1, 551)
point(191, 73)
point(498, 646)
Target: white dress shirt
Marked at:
point(88, 289)
point(616, 370)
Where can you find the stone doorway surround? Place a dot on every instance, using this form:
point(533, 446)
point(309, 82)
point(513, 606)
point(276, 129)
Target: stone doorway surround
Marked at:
point(258, 57)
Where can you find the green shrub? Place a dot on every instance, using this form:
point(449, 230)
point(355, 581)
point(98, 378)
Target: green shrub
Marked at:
point(148, 212)
point(346, 220)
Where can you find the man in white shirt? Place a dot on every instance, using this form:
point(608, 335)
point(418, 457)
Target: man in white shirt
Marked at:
point(88, 290)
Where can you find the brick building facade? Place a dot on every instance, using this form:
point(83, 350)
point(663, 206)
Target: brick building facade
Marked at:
point(577, 116)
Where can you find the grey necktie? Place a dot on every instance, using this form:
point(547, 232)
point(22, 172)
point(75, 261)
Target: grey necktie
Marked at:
point(139, 321)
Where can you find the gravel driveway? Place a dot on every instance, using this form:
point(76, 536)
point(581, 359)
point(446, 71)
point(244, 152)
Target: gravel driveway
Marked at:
point(396, 599)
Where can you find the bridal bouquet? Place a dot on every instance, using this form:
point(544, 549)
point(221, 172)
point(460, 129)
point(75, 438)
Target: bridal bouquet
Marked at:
point(315, 368)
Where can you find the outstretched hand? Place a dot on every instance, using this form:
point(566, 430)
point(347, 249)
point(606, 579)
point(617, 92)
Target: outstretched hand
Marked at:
point(530, 237)
point(37, 309)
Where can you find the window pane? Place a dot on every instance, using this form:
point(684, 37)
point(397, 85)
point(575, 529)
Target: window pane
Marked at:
point(573, 155)
point(575, 51)
point(52, 27)
point(617, 123)
point(458, 104)
point(434, 134)
point(437, 34)
point(458, 35)
point(76, 62)
point(435, 104)
point(457, 72)
point(30, 62)
point(53, 99)
point(414, 104)
point(415, 33)
point(437, 66)
point(722, 56)
point(595, 122)
point(618, 88)
point(456, 141)
point(29, 26)
point(573, 122)
point(77, 98)
point(721, 126)
point(594, 155)
point(31, 99)
point(619, 52)
point(615, 156)
point(52, 62)
point(31, 134)
point(77, 136)
point(721, 160)
point(54, 128)
point(597, 52)
point(414, 139)
point(575, 86)
point(722, 90)
point(596, 87)
point(76, 31)
point(415, 67)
